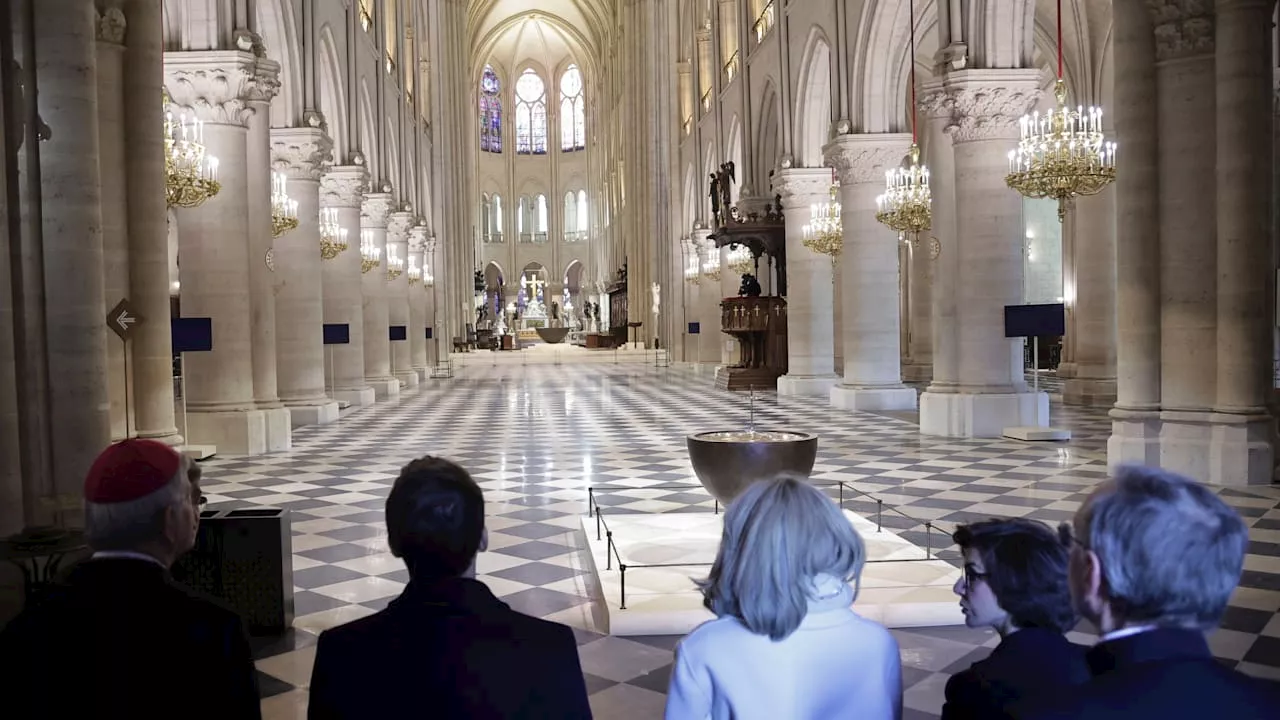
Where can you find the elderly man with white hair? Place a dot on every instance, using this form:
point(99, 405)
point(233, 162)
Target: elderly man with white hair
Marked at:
point(1154, 560)
point(121, 639)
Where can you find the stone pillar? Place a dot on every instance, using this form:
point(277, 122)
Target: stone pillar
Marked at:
point(1090, 297)
point(214, 253)
point(872, 343)
point(262, 278)
point(810, 344)
point(1242, 446)
point(342, 189)
point(941, 250)
point(709, 296)
point(1135, 426)
point(71, 226)
point(151, 349)
point(397, 289)
point(115, 242)
point(432, 317)
point(377, 344)
point(418, 305)
point(300, 154)
point(991, 393)
point(922, 253)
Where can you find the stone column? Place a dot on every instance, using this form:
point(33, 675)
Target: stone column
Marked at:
point(991, 393)
point(872, 343)
point(262, 278)
point(115, 242)
point(1135, 426)
point(342, 188)
point(418, 305)
point(810, 344)
point(151, 349)
point(1242, 447)
point(432, 317)
point(377, 345)
point(709, 296)
point(71, 225)
point(1090, 296)
point(301, 154)
point(397, 289)
point(941, 250)
point(919, 366)
point(213, 252)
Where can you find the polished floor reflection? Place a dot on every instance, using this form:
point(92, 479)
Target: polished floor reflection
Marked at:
point(537, 437)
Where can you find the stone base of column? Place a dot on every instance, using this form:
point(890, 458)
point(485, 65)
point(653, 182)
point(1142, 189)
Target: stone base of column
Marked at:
point(233, 432)
point(1089, 391)
point(1216, 448)
point(358, 397)
point(315, 412)
point(807, 386)
point(846, 397)
point(384, 388)
point(408, 378)
point(423, 373)
point(917, 372)
point(279, 429)
point(981, 414)
point(173, 439)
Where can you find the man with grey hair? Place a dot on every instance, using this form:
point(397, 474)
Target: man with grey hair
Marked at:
point(1154, 560)
point(120, 638)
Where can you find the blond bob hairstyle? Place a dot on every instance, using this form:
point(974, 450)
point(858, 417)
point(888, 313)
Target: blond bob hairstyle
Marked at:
point(779, 536)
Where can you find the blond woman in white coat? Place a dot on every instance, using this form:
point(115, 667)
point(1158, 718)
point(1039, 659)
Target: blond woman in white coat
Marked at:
point(785, 643)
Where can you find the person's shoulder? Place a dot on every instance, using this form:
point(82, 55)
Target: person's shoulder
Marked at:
point(544, 631)
point(197, 606)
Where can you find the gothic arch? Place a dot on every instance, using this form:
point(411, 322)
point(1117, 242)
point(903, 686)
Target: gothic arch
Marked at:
point(813, 111)
point(767, 142)
point(690, 197)
point(277, 25)
point(333, 98)
point(369, 137)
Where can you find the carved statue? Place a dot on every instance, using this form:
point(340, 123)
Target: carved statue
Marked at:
point(715, 198)
point(728, 176)
point(750, 286)
point(555, 310)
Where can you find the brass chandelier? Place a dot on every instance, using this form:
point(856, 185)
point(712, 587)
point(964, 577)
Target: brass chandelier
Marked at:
point(191, 173)
point(825, 232)
point(370, 254)
point(1063, 153)
point(907, 202)
point(284, 211)
point(395, 263)
point(711, 268)
point(333, 237)
point(692, 271)
point(415, 273)
point(740, 260)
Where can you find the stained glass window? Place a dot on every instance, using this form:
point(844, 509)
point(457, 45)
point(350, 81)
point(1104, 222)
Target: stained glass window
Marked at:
point(573, 114)
point(490, 111)
point(531, 114)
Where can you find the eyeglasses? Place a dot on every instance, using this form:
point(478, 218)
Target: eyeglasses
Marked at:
point(972, 576)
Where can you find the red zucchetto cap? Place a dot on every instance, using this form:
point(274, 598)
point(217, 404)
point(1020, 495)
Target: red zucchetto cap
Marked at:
point(130, 469)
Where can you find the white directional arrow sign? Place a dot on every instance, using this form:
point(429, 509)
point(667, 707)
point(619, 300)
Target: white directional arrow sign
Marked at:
point(123, 320)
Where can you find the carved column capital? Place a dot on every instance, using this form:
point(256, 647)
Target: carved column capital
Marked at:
point(987, 104)
point(375, 210)
point(214, 85)
point(398, 224)
point(111, 26)
point(418, 237)
point(300, 153)
point(266, 81)
point(1183, 28)
point(344, 186)
point(865, 158)
point(801, 187)
point(934, 101)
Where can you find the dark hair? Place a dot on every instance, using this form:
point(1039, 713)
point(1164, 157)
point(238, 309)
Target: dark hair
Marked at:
point(435, 517)
point(1026, 568)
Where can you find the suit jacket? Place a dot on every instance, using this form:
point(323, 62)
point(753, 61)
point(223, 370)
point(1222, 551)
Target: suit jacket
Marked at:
point(448, 649)
point(122, 639)
point(1029, 663)
point(1162, 674)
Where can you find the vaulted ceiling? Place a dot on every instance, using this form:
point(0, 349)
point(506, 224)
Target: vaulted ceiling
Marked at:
point(542, 31)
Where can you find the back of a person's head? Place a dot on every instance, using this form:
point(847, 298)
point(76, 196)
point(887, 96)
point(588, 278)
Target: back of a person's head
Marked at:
point(435, 518)
point(130, 490)
point(1171, 550)
point(1025, 565)
point(779, 536)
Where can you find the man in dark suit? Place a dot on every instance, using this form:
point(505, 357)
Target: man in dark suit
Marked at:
point(120, 638)
point(1155, 559)
point(1015, 582)
point(446, 648)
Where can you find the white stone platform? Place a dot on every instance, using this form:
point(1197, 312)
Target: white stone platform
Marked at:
point(541, 353)
point(900, 586)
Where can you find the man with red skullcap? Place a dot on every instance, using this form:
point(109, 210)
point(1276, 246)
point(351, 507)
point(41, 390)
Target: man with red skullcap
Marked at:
point(121, 638)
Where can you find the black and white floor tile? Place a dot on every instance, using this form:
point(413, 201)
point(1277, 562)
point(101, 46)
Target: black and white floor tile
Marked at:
point(537, 438)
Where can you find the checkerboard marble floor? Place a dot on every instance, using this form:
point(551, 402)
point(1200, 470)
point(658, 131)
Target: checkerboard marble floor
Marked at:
point(537, 437)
